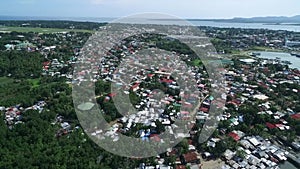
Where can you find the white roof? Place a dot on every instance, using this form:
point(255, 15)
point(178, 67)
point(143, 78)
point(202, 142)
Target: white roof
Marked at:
point(260, 97)
point(254, 141)
point(248, 60)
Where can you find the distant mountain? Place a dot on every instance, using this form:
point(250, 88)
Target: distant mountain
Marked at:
point(50, 18)
point(268, 19)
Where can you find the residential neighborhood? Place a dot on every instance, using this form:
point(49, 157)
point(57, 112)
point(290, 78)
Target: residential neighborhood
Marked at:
point(251, 112)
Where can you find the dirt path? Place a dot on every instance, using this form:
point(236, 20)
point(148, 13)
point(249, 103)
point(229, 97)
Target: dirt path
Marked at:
point(212, 164)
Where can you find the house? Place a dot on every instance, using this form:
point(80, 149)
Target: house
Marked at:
point(9, 47)
point(191, 157)
point(262, 154)
point(206, 155)
point(253, 160)
point(135, 87)
point(270, 125)
point(254, 141)
point(228, 154)
point(296, 146)
point(260, 97)
point(180, 167)
point(279, 155)
point(296, 116)
point(234, 135)
point(246, 144)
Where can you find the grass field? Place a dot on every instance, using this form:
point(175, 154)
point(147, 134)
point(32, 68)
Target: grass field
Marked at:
point(34, 82)
point(16, 91)
point(40, 30)
point(267, 49)
point(197, 62)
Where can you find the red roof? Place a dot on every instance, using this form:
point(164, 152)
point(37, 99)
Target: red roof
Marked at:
point(166, 80)
point(236, 101)
point(270, 126)
point(235, 136)
point(112, 94)
point(46, 63)
point(135, 86)
point(187, 105)
point(173, 152)
point(163, 69)
point(155, 137)
point(278, 125)
point(296, 116)
point(190, 157)
point(180, 167)
point(231, 102)
point(81, 73)
point(271, 81)
point(204, 109)
point(263, 85)
point(185, 112)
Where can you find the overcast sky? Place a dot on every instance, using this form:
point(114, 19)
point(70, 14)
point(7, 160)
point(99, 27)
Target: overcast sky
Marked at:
point(180, 8)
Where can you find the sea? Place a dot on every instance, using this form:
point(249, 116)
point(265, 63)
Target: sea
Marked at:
point(288, 27)
point(220, 24)
point(295, 61)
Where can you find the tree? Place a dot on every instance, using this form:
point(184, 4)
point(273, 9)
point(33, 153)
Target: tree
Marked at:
point(170, 160)
point(183, 146)
point(241, 153)
point(160, 127)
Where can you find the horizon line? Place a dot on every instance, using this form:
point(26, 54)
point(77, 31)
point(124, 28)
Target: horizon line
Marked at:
point(103, 17)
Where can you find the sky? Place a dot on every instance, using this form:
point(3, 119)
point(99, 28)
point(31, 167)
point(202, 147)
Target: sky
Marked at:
point(188, 9)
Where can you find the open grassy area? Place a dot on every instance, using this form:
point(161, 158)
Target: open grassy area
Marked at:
point(34, 82)
point(267, 49)
point(16, 91)
point(197, 62)
point(40, 30)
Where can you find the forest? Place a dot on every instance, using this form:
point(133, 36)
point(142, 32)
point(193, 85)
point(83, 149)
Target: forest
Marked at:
point(61, 24)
